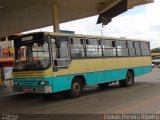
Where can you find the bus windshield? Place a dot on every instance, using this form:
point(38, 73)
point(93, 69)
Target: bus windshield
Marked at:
point(32, 56)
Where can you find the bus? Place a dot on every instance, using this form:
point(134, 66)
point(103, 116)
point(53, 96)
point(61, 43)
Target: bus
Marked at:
point(55, 62)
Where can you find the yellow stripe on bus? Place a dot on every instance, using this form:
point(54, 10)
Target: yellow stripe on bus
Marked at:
point(90, 65)
point(99, 64)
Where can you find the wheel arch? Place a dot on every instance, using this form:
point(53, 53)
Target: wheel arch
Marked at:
point(131, 70)
point(83, 79)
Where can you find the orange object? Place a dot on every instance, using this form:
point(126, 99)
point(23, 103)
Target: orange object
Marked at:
point(4, 50)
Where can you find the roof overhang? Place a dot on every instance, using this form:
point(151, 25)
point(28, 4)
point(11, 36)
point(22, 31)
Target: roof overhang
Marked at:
point(23, 15)
point(117, 8)
point(155, 54)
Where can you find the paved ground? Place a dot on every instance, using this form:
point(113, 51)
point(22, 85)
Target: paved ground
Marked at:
point(143, 97)
point(6, 89)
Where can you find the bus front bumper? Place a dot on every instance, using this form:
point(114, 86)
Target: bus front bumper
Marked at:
point(29, 89)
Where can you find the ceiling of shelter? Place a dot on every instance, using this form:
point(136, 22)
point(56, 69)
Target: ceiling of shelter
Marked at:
point(22, 15)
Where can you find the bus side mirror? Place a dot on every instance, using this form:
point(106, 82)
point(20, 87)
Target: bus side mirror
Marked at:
point(55, 69)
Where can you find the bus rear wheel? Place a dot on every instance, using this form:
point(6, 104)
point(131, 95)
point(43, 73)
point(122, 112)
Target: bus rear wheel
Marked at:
point(76, 88)
point(103, 85)
point(128, 81)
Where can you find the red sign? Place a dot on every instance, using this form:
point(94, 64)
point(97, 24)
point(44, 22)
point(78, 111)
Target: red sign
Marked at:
point(4, 50)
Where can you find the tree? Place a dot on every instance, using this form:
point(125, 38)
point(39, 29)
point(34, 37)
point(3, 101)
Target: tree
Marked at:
point(155, 50)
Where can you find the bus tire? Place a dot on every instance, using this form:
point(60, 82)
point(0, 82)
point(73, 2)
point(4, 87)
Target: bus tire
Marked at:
point(128, 81)
point(103, 85)
point(76, 88)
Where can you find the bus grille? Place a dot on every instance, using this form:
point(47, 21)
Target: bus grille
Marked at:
point(33, 82)
point(28, 74)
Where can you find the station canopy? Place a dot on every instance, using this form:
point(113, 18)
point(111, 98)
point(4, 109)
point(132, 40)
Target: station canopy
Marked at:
point(22, 15)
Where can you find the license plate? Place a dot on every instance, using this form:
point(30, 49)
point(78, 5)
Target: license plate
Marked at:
point(27, 89)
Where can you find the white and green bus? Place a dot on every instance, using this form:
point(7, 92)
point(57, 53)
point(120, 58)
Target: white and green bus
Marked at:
point(55, 62)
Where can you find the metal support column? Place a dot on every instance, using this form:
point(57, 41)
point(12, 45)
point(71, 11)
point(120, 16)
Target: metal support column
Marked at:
point(6, 41)
point(55, 12)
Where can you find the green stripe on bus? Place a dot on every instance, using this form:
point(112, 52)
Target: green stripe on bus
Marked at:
point(61, 83)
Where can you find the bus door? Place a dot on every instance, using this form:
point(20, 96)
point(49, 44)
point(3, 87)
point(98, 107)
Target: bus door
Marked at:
point(61, 52)
point(61, 60)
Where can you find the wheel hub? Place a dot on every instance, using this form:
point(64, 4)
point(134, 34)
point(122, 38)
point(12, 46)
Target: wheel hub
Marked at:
point(130, 79)
point(76, 87)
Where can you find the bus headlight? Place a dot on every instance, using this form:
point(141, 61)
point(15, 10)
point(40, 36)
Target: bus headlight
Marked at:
point(16, 83)
point(43, 82)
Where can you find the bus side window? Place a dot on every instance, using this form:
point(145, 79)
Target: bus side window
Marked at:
point(122, 48)
point(54, 52)
point(93, 48)
point(145, 48)
point(77, 48)
point(137, 48)
point(109, 48)
point(64, 56)
point(131, 48)
point(61, 55)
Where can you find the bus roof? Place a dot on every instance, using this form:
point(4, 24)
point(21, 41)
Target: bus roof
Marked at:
point(83, 36)
point(92, 36)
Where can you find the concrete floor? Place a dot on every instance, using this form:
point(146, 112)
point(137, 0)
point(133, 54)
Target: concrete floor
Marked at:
point(143, 97)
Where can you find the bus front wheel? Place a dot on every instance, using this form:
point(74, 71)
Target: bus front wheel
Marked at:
point(76, 88)
point(128, 81)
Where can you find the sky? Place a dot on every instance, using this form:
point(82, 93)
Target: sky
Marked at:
point(141, 22)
